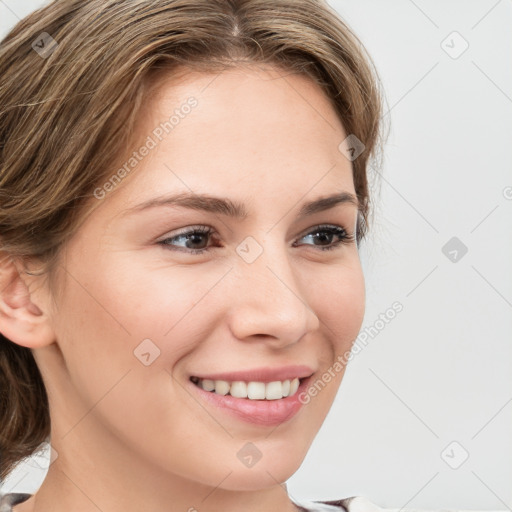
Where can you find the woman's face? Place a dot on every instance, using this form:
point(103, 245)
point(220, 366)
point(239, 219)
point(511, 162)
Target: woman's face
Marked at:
point(143, 308)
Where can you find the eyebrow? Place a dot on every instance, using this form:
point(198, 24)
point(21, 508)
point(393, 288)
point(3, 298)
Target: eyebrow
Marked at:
point(235, 209)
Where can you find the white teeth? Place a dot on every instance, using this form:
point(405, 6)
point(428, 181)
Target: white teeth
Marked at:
point(274, 390)
point(208, 385)
point(251, 390)
point(256, 390)
point(238, 389)
point(221, 387)
point(286, 387)
point(294, 385)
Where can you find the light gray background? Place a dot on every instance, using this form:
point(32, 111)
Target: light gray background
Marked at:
point(441, 370)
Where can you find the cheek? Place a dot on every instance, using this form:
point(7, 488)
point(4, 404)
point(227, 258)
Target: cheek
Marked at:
point(339, 302)
point(164, 301)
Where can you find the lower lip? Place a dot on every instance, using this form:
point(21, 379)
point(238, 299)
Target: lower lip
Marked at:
point(260, 412)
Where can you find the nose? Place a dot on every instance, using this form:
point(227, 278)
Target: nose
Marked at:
point(268, 302)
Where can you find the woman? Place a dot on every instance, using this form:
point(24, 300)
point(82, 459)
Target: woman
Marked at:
point(183, 189)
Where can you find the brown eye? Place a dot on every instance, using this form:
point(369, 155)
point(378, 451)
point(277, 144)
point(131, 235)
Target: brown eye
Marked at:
point(194, 240)
point(325, 234)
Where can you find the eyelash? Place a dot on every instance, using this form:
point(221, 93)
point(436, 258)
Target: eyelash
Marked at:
point(345, 237)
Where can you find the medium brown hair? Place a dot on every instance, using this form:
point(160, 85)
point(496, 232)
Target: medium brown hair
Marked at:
point(65, 117)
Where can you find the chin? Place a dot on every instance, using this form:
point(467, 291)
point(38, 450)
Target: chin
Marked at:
point(254, 479)
point(274, 468)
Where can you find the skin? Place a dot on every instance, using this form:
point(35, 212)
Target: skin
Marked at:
point(129, 437)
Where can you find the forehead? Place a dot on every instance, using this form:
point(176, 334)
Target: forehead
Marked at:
point(246, 130)
point(261, 95)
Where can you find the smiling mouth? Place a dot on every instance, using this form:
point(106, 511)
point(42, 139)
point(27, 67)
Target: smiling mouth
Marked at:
point(253, 390)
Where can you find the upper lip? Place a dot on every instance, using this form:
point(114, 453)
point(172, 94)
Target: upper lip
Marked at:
point(263, 374)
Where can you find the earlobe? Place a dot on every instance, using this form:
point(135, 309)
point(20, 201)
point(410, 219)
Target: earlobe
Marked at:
point(21, 321)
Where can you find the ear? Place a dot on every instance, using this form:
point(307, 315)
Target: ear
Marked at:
point(21, 320)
